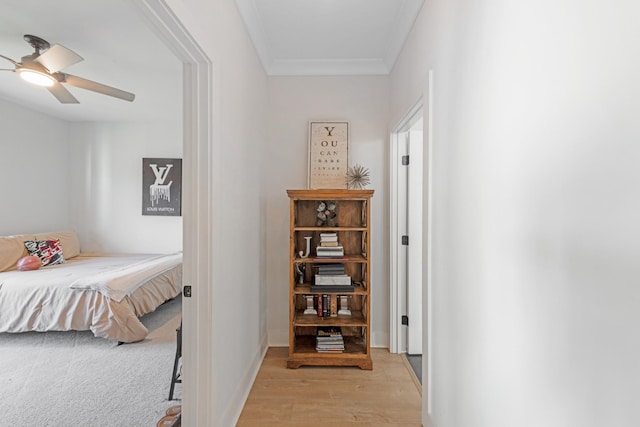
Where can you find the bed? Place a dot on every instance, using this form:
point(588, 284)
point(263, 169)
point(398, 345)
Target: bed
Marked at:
point(100, 292)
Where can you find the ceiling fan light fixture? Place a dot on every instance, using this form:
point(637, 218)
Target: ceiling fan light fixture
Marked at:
point(44, 70)
point(36, 77)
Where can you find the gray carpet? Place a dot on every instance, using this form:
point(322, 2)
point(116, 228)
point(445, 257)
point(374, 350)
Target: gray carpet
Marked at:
point(71, 379)
point(415, 360)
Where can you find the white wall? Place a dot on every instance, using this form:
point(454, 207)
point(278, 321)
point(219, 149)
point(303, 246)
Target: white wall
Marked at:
point(536, 208)
point(239, 129)
point(34, 171)
point(293, 102)
point(84, 176)
point(107, 185)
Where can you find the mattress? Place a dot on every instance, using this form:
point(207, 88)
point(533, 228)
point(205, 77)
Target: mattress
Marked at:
point(103, 293)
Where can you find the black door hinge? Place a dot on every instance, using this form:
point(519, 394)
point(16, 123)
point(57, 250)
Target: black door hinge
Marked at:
point(405, 160)
point(405, 320)
point(186, 291)
point(405, 240)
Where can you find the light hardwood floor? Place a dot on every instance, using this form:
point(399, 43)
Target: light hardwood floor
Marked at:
point(326, 396)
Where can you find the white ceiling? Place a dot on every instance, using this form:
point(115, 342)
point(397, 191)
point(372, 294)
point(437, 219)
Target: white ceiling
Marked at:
point(328, 37)
point(292, 37)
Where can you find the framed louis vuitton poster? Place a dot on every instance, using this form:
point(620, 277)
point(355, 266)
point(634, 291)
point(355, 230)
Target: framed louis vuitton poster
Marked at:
point(328, 154)
point(161, 187)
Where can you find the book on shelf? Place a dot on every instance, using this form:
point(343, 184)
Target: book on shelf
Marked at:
point(333, 305)
point(329, 340)
point(329, 245)
point(318, 305)
point(328, 331)
point(329, 268)
point(333, 288)
point(336, 255)
point(329, 248)
point(322, 349)
point(326, 305)
point(327, 240)
point(332, 279)
point(336, 251)
point(329, 237)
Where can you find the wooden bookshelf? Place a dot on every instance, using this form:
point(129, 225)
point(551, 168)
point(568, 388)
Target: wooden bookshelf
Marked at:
point(352, 226)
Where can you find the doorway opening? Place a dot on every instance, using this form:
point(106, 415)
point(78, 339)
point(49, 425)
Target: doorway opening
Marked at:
point(197, 207)
point(414, 131)
point(407, 190)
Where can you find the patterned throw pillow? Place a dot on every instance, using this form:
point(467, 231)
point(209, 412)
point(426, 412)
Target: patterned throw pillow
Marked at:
point(49, 251)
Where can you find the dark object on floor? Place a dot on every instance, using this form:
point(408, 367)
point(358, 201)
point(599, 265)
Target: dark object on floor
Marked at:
point(176, 377)
point(415, 360)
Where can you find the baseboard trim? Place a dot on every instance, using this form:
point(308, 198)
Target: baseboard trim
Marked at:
point(233, 412)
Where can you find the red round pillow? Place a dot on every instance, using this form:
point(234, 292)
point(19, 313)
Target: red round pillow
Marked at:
point(30, 262)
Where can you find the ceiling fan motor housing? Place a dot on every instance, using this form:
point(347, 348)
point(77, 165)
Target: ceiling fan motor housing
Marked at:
point(37, 43)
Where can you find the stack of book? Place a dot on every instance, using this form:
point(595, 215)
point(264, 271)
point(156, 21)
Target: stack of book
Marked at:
point(329, 246)
point(330, 269)
point(329, 340)
point(331, 278)
point(326, 305)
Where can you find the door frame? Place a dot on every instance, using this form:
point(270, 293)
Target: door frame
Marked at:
point(197, 373)
point(397, 293)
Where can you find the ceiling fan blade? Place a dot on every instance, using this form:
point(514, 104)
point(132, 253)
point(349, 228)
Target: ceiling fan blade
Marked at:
point(62, 94)
point(10, 60)
point(58, 57)
point(96, 87)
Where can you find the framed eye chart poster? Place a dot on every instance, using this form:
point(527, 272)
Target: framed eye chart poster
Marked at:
point(328, 154)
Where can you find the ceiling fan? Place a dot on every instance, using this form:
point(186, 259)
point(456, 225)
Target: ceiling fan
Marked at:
point(43, 69)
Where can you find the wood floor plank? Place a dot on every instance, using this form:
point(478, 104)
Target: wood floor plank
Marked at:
point(387, 396)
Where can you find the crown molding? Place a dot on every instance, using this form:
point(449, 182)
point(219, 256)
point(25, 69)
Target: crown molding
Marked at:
point(253, 23)
point(402, 27)
point(327, 67)
point(273, 66)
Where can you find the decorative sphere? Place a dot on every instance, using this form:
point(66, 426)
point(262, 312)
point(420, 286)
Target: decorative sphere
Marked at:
point(29, 263)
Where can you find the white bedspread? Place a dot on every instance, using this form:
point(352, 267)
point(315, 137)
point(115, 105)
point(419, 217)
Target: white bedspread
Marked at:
point(115, 291)
point(116, 280)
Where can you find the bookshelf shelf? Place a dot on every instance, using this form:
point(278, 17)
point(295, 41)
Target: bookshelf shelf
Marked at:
point(349, 230)
point(356, 319)
point(346, 258)
point(325, 229)
point(305, 289)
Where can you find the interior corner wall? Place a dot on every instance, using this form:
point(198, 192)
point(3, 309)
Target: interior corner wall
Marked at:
point(363, 101)
point(535, 209)
point(34, 165)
